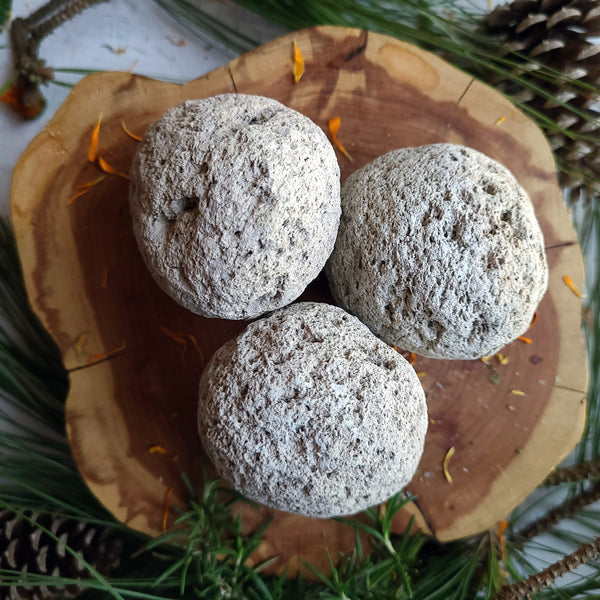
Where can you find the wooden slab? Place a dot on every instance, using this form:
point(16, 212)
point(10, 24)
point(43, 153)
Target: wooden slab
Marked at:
point(133, 386)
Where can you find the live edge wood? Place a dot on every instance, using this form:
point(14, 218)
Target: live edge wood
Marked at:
point(87, 283)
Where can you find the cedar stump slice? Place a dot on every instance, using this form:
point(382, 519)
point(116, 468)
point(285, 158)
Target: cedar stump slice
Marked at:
point(134, 365)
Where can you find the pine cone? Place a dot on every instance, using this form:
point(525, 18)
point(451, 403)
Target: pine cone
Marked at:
point(25, 547)
point(555, 33)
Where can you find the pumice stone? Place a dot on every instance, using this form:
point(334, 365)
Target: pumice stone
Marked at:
point(235, 202)
point(308, 412)
point(439, 252)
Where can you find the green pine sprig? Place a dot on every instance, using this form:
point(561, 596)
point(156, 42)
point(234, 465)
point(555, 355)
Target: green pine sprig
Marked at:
point(5, 8)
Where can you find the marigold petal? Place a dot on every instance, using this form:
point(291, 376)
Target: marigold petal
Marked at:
point(94, 358)
point(445, 463)
point(298, 63)
point(334, 127)
point(176, 337)
point(133, 136)
point(194, 342)
point(28, 106)
point(75, 196)
point(569, 283)
point(83, 188)
point(109, 169)
point(166, 503)
point(502, 359)
point(104, 279)
point(79, 343)
point(502, 527)
point(94, 141)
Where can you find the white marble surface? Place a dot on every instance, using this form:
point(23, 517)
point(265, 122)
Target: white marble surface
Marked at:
point(121, 35)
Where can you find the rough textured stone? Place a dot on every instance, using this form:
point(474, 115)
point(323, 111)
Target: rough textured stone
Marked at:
point(308, 412)
point(235, 204)
point(439, 252)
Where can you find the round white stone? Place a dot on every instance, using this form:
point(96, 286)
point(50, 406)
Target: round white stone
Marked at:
point(439, 252)
point(308, 412)
point(235, 202)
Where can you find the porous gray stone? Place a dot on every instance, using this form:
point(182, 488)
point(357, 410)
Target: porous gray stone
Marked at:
point(439, 252)
point(308, 412)
point(235, 202)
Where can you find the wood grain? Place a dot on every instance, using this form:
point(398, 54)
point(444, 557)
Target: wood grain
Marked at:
point(133, 387)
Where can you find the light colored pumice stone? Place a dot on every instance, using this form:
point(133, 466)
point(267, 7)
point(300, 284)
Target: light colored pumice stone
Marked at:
point(235, 202)
point(308, 412)
point(439, 252)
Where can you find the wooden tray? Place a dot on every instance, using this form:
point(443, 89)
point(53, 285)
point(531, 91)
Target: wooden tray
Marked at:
point(131, 407)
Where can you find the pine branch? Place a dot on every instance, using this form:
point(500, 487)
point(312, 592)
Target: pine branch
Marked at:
point(565, 511)
point(575, 473)
point(53, 14)
point(26, 34)
point(544, 578)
